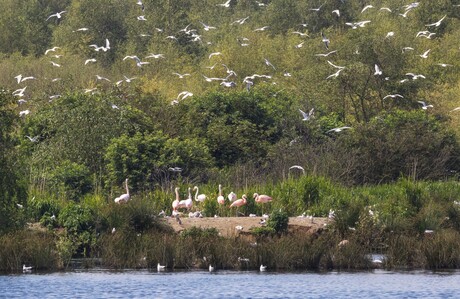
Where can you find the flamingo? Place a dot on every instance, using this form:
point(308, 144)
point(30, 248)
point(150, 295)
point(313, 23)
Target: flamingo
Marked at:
point(175, 203)
point(262, 198)
point(220, 198)
point(232, 196)
point(201, 197)
point(189, 200)
point(124, 197)
point(239, 203)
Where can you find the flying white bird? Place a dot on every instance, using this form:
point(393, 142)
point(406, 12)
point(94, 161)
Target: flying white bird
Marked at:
point(378, 71)
point(334, 75)
point(424, 105)
point(366, 8)
point(53, 49)
point(57, 15)
point(226, 4)
point(339, 129)
point(436, 24)
point(393, 96)
point(268, 63)
point(307, 116)
point(425, 54)
point(89, 60)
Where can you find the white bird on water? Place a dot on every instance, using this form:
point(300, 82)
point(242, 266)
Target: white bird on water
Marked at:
point(263, 268)
point(160, 267)
point(26, 268)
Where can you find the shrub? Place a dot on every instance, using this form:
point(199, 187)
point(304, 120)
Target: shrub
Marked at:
point(278, 221)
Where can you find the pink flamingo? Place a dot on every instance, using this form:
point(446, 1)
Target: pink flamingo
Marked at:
point(124, 197)
point(189, 200)
point(220, 198)
point(262, 198)
point(201, 197)
point(239, 203)
point(175, 203)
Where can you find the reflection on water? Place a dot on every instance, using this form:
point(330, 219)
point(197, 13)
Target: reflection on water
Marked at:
point(231, 284)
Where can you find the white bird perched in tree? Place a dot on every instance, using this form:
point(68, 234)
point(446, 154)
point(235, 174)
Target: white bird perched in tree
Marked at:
point(124, 197)
point(57, 15)
point(378, 71)
point(436, 24)
point(307, 116)
point(424, 105)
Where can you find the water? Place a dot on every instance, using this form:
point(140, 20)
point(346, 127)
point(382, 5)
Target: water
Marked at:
point(230, 284)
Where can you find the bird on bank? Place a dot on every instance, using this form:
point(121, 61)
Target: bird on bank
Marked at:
point(220, 198)
point(175, 204)
point(201, 197)
point(26, 268)
point(124, 197)
point(232, 196)
point(262, 198)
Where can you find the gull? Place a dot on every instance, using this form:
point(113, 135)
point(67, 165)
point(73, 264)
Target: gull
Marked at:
point(317, 9)
point(415, 77)
point(55, 96)
point(378, 71)
point(307, 116)
point(299, 33)
point(81, 29)
point(405, 49)
point(53, 49)
point(425, 54)
point(57, 15)
point(228, 84)
point(175, 169)
point(128, 80)
point(261, 28)
point(425, 33)
point(297, 167)
point(213, 79)
point(299, 45)
point(240, 21)
point(263, 268)
point(33, 139)
point(325, 40)
point(24, 112)
point(102, 78)
point(336, 74)
point(226, 4)
point(114, 106)
point(211, 67)
point(229, 71)
point(207, 27)
point(385, 8)
point(337, 12)
point(287, 74)
point(214, 54)
point(326, 54)
point(21, 101)
point(261, 3)
point(393, 96)
point(19, 206)
point(160, 267)
point(184, 94)
point(444, 64)
point(181, 76)
point(26, 268)
point(424, 105)
point(335, 66)
point(436, 24)
point(390, 34)
point(139, 63)
point(268, 63)
point(141, 18)
point(139, 2)
point(156, 56)
point(105, 49)
point(171, 37)
point(366, 8)
point(455, 109)
point(89, 60)
point(339, 129)
point(355, 25)
point(144, 35)
point(19, 92)
point(20, 78)
point(88, 90)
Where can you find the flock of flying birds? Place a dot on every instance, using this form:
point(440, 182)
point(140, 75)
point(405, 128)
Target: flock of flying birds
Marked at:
point(229, 79)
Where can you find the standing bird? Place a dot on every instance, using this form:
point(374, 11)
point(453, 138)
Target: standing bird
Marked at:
point(220, 198)
point(262, 198)
point(232, 196)
point(239, 203)
point(124, 197)
point(175, 203)
point(201, 197)
point(189, 200)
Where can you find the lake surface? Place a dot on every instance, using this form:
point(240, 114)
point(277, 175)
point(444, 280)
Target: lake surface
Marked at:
point(230, 284)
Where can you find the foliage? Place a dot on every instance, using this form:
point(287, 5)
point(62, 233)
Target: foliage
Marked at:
point(278, 221)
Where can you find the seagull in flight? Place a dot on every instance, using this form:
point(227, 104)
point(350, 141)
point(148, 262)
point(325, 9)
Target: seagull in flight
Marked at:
point(339, 129)
point(436, 24)
point(226, 4)
point(378, 71)
point(102, 78)
point(261, 28)
point(33, 139)
point(325, 40)
point(20, 78)
point(89, 60)
point(393, 96)
point(317, 9)
point(337, 12)
point(141, 18)
point(268, 63)
point(425, 54)
point(335, 66)
point(53, 49)
point(334, 75)
point(57, 15)
point(415, 77)
point(207, 27)
point(55, 64)
point(156, 56)
point(366, 8)
point(424, 105)
point(181, 76)
point(326, 54)
point(355, 25)
point(297, 167)
point(307, 116)
point(214, 54)
point(444, 64)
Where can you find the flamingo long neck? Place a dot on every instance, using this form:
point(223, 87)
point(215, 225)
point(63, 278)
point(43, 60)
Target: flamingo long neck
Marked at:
point(127, 189)
point(244, 198)
point(196, 194)
point(220, 190)
point(177, 193)
point(189, 193)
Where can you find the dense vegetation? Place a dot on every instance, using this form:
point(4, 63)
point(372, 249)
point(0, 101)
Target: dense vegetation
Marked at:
point(70, 138)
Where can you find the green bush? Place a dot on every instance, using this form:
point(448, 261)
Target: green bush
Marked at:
point(278, 221)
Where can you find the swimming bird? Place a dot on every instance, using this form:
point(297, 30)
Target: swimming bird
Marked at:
point(160, 267)
point(57, 15)
point(220, 198)
point(124, 197)
point(26, 268)
point(424, 105)
point(263, 268)
point(201, 197)
point(307, 116)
